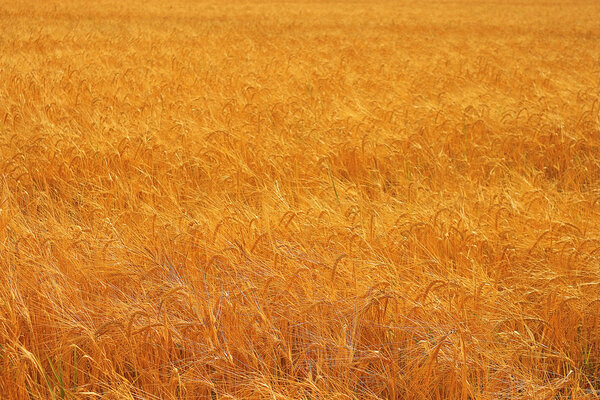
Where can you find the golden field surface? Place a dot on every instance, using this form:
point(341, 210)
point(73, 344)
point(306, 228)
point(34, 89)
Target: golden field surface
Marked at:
point(299, 200)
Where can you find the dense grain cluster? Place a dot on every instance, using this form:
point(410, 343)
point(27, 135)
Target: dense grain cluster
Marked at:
point(299, 200)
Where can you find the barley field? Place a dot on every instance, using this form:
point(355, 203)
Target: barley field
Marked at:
point(299, 199)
